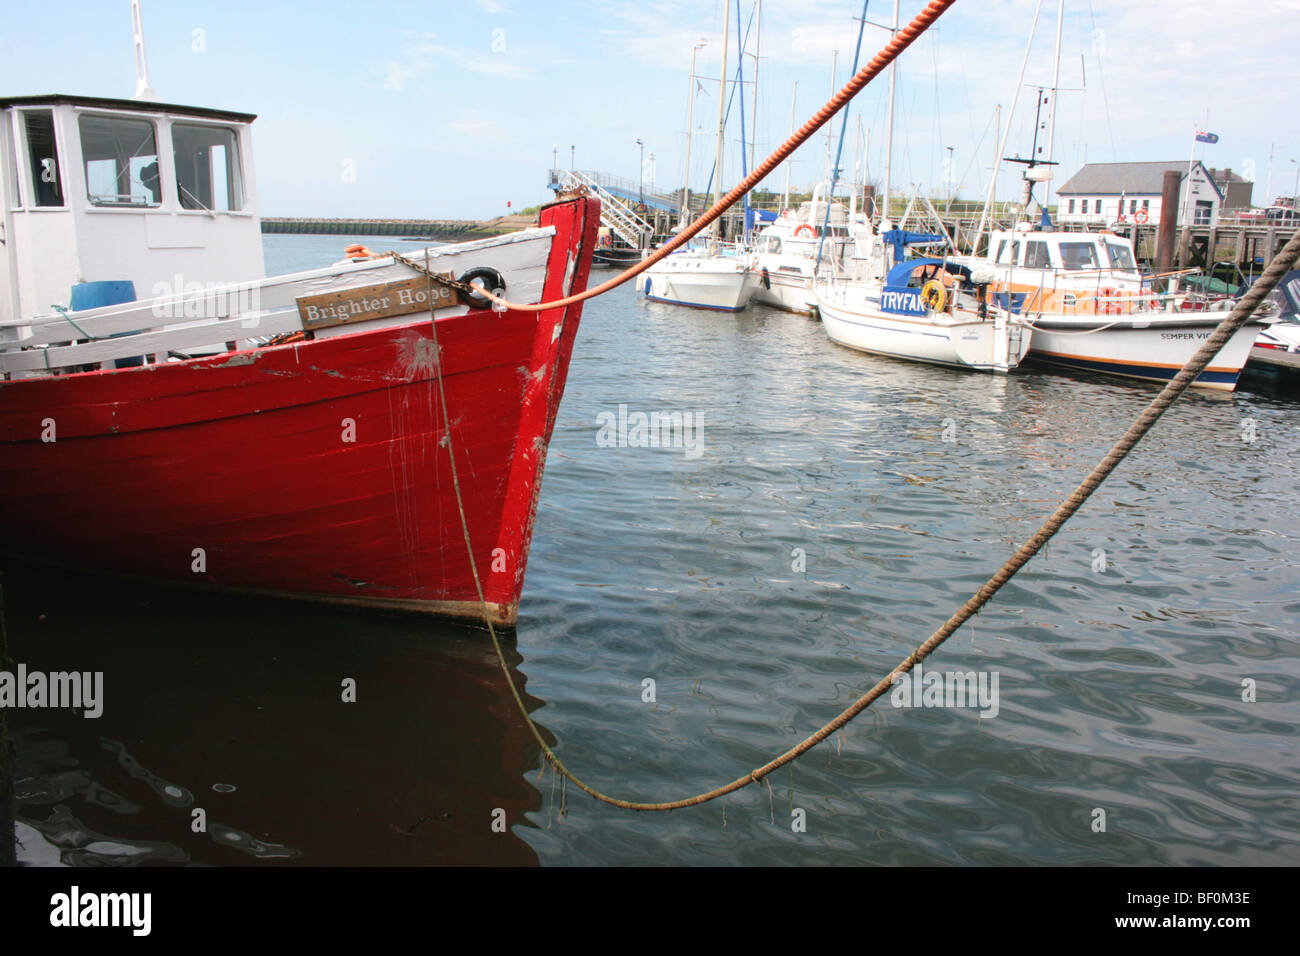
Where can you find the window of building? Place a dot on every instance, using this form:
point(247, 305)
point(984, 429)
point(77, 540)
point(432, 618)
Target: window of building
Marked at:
point(1079, 255)
point(1036, 255)
point(207, 167)
point(1146, 204)
point(1071, 207)
point(1132, 205)
point(42, 151)
point(1085, 207)
point(1204, 212)
point(121, 157)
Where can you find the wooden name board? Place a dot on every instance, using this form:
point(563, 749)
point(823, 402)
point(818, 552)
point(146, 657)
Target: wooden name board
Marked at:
point(382, 301)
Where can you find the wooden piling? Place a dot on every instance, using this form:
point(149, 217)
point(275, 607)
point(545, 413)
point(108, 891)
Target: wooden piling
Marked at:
point(1168, 221)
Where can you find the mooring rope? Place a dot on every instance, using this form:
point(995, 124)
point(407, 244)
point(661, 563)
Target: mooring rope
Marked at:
point(1232, 322)
point(901, 41)
point(1168, 395)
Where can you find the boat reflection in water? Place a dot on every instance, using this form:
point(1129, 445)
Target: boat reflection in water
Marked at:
point(236, 707)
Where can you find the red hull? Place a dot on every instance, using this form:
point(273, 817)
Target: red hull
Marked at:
point(244, 456)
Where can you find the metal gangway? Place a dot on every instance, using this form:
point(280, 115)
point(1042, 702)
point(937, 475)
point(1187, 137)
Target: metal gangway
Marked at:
point(615, 213)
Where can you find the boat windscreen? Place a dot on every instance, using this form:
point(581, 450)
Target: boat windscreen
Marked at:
point(1120, 257)
point(1079, 255)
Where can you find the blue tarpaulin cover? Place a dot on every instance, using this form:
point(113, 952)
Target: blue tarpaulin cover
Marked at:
point(898, 238)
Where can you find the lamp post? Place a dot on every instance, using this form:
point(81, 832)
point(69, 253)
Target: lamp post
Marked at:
point(1295, 192)
point(640, 185)
point(571, 149)
point(555, 156)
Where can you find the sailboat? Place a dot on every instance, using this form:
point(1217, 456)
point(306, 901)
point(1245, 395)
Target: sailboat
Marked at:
point(716, 275)
point(920, 309)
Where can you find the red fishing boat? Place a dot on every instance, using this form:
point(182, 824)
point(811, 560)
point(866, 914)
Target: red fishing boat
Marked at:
point(281, 436)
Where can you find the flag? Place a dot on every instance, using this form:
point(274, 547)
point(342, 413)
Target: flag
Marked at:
point(1203, 137)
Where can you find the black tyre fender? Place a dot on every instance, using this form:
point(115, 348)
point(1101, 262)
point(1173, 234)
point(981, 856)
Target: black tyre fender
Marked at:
point(767, 280)
point(490, 278)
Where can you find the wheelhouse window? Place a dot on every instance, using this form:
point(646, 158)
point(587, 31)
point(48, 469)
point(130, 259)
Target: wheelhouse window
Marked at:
point(1002, 245)
point(42, 151)
point(1079, 255)
point(1036, 255)
point(1121, 257)
point(121, 157)
point(207, 167)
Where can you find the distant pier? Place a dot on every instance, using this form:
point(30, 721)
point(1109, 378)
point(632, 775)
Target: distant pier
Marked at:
point(448, 230)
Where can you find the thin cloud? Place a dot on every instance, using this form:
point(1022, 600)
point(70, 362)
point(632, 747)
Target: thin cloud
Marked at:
point(424, 53)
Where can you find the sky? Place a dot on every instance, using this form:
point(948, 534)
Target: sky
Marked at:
point(408, 109)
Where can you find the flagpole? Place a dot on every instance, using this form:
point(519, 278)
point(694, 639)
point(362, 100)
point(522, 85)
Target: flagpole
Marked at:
point(1187, 196)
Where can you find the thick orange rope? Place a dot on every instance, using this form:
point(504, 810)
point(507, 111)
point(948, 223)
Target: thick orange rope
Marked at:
point(901, 41)
point(1229, 325)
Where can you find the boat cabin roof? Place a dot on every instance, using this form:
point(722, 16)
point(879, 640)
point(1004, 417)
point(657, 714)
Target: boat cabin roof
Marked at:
point(139, 106)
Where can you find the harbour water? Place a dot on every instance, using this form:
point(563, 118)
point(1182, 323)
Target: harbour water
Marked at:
point(691, 611)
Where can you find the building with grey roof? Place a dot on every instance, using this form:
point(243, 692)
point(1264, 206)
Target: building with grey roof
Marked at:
point(1109, 193)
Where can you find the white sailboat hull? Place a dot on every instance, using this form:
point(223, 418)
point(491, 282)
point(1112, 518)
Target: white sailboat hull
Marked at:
point(720, 283)
point(786, 289)
point(977, 344)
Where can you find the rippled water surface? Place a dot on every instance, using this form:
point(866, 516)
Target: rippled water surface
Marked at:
point(840, 508)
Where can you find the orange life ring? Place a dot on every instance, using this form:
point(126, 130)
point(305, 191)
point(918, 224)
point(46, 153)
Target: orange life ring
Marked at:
point(1140, 217)
point(1110, 305)
point(357, 251)
point(800, 231)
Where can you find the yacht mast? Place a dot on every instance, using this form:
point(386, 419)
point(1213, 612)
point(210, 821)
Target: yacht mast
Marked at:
point(753, 113)
point(790, 159)
point(1056, 84)
point(690, 135)
point(889, 127)
point(722, 117)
